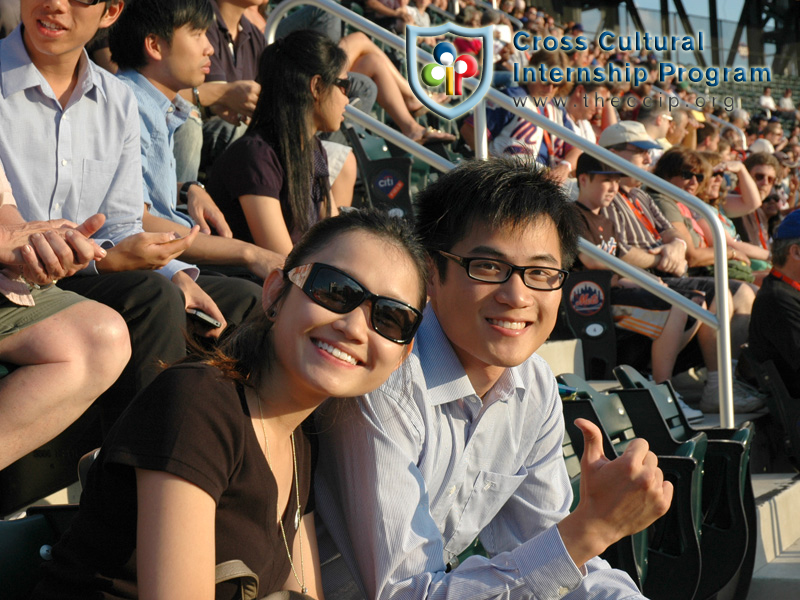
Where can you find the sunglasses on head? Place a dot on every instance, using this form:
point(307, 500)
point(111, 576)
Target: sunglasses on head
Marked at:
point(337, 291)
point(345, 83)
point(760, 176)
point(687, 175)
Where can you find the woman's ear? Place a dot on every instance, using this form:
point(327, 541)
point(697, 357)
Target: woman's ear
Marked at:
point(315, 86)
point(406, 352)
point(273, 286)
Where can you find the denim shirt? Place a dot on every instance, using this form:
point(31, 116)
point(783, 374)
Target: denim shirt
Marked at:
point(159, 118)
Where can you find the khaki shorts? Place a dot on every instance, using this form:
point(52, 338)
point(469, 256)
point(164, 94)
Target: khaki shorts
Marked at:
point(49, 301)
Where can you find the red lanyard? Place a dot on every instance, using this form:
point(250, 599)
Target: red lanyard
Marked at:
point(641, 216)
point(761, 232)
point(785, 278)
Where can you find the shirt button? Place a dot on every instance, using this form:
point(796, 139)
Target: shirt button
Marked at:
point(64, 162)
point(56, 206)
point(562, 591)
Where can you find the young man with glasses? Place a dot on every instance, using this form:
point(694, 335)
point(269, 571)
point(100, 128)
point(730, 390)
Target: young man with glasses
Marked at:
point(463, 442)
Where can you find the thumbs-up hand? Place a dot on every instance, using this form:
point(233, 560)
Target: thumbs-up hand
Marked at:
point(618, 497)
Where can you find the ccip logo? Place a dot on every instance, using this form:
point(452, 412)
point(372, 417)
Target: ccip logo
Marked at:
point(449, 69)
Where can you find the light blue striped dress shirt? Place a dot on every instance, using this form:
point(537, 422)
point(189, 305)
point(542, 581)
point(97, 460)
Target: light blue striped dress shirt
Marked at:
point(73, 162)
point(159, 118)
point(411, 474)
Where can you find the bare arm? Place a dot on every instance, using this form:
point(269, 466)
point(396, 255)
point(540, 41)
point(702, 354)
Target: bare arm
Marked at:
point(171, 564)
point(468, 133)
point(696, 257)
point(265, 220)
point(737, 205)
point(211, 249)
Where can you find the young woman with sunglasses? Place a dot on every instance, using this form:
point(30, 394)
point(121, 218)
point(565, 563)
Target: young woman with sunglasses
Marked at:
point(209, 463)
point(727, 205)
point(272, 183)
point(687, 170)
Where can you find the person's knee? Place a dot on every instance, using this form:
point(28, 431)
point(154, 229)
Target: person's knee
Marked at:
point(105, 342)
point(743, 299)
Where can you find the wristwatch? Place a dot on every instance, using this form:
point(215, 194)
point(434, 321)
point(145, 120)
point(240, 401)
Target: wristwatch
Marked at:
point(183, 196)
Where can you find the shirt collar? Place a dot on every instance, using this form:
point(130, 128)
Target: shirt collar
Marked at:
point(18, 72)
point(163, 103)
point(445, 378)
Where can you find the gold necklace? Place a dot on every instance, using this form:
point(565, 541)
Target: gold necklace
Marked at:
point(302, 583)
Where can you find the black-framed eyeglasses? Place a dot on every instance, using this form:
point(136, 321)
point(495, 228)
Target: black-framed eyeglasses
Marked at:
point(345, 83)
point(337, 291)
point(687, 175)
point(89, 2)
point(492, 270)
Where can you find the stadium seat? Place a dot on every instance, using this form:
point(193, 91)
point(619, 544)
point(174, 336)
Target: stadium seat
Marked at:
point(674, 539)
point(386, 179)
point(728, 507)
point(26, 543)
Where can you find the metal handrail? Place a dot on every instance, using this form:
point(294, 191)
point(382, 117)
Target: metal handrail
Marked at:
point(488, 6)
point(722, 326)
point(722, 122)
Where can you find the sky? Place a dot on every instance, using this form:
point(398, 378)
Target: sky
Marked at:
point(726, 9)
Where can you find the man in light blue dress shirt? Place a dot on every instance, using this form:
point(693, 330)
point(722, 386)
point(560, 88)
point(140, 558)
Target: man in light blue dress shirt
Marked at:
point(160, 50)
point(463, 442)
point(70, 147)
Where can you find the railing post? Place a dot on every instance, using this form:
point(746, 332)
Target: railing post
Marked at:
point(481, 135)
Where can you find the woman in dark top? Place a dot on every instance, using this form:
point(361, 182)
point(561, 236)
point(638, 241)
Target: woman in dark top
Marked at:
point(209, 463)
point(272, 183)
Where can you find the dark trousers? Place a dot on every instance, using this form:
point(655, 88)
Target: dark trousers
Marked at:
point(153, 307)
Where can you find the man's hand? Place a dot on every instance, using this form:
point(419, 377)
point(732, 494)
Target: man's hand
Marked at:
point(45, 251)
point(618, 497)
point(195, 297)
point(146, 251)
point(673, 258)
point(561, 172)
point(204, 211)
point(241, 97)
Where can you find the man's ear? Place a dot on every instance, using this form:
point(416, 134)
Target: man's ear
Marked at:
point(152, 47)
point(273, 286)
point(113, 11)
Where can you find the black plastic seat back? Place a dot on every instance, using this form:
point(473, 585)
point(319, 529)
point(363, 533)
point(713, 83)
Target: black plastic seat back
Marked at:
point(387, 180)
point(586, 306)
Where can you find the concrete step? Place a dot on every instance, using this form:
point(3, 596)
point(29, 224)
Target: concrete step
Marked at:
point(777, 568)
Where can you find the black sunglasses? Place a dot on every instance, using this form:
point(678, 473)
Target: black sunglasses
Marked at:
point(345, 83)
point(89, 2)
point(492, 270)
point(687, 175)
point(337, 291)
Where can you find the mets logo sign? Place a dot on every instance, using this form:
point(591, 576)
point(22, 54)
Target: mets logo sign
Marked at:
point(587, 298)
point(448, 69)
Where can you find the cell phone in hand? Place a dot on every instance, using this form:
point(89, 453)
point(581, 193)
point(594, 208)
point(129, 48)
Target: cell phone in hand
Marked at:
point(199, 315)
